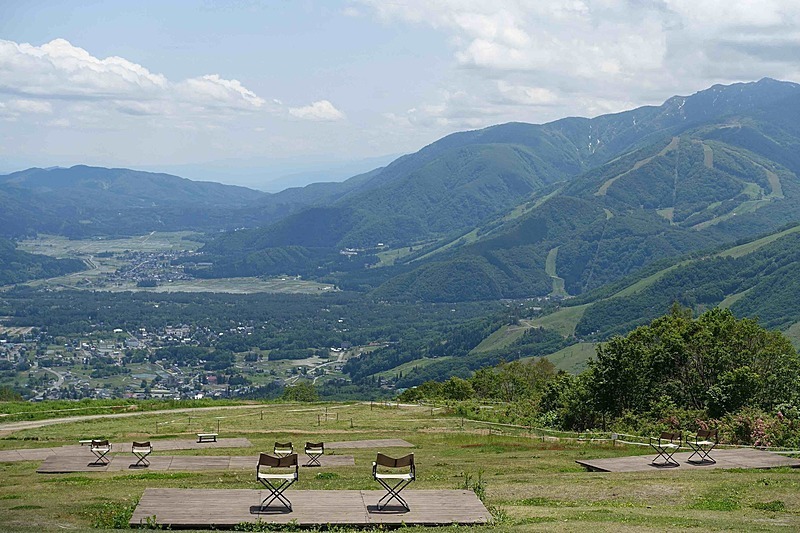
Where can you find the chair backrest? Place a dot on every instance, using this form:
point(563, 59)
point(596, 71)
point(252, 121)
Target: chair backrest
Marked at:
point(400, 462)
point(315, 445)
point(708, 434)
point(670, 435)
point(277, 462)
point(142, 444)
point(283, 446)
point(97, 443)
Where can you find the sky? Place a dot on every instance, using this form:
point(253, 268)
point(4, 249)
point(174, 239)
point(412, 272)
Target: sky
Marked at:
point(247, 91)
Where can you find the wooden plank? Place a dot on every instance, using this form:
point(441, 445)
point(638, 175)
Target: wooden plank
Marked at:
point(375, 443)
point(39, 454)
point(731, 458)
point(64, 464)
point(191, 462)
point(218, 508)
point(428, 508)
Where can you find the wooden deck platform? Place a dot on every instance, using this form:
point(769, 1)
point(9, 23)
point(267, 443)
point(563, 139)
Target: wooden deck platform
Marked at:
point(65, 464)
point(219, 508)
point(376, 443)
point(38, 454)
point(733, 458)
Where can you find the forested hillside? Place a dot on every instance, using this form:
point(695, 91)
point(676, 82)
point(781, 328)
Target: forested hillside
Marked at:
point(17, 266)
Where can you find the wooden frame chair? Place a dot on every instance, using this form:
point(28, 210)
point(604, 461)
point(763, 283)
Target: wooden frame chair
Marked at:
point(282, 449)
point(276, 482)
point(394, 482)
point(666, 445)
point(704, 441)
point(314, 450)
point(141, 450)
point(100, 448)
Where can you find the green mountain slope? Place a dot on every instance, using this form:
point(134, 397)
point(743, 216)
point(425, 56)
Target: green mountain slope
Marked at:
point(17, 266)
point(684, 192)
point(653, 182)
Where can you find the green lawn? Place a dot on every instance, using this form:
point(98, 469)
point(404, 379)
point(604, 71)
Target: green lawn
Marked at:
point(528, 483)
point(573, 358)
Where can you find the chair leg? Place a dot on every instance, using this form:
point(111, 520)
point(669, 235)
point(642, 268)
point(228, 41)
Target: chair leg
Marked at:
point(313, 459)
point(276, 493)
point(101, 457)
point(666, 455)
point(393, 493)
point(142, 459)
point(702, 452)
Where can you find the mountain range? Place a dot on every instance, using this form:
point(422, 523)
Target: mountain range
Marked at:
point(510, 211)
point(522, 210)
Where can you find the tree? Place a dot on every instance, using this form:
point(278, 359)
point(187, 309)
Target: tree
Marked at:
point(458, 389)
point(302, 392)
point(716, 362)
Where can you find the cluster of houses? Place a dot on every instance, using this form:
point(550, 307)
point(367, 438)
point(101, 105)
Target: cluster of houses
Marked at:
point(123, 364)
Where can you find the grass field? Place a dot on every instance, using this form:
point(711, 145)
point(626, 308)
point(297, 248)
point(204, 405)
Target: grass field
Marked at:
point(573, 358)
point(504, 336)
point(530, 484)
point(562, 321)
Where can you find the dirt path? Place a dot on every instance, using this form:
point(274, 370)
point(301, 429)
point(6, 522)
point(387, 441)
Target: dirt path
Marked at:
point(636, 166)
point(33, 424)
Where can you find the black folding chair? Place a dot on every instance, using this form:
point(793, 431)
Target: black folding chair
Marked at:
point(702, 444)
point(314, 450)
point(141, 450)
point(276, 482)
point(666, 445)
point(394, 482)
point(100, 448)
point(282, 449)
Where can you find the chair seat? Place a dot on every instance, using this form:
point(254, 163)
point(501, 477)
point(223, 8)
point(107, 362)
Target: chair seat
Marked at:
point(264, 475)
point(393, 476)
point(704, 443)
point(141, 449)
point(668, 445)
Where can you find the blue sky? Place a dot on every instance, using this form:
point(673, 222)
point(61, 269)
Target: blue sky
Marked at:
point(244, 92)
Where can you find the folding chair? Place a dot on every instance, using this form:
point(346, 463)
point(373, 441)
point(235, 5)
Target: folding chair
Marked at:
point(314, 450)
point(666, 445)
point(702, 444)
point(282, 449)
point(100, 449)
point(276, 482)
point(400, 480)
point(141, 450)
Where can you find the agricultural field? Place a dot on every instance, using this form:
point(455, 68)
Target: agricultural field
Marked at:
point(119, 264)
point(529, 481)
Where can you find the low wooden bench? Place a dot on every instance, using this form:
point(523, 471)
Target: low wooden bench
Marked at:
point(207, 437)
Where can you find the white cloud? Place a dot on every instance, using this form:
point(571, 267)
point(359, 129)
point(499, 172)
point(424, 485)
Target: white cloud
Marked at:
point(60, 71)
point(30, 106)
point(321, 110)
point(535, 60)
